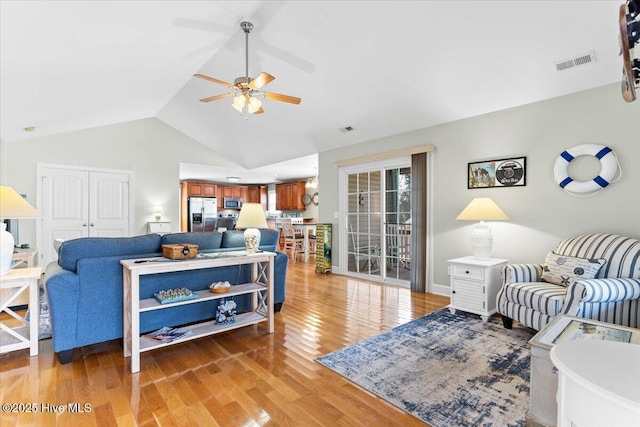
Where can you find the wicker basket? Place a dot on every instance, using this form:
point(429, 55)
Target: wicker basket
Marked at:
point(180, 251)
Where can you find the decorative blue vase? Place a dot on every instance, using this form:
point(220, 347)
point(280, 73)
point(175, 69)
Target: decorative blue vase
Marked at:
point(226, 312)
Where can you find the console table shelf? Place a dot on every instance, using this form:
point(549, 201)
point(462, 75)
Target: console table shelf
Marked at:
point(247, 288)
point(204, 329)
point(261, 288)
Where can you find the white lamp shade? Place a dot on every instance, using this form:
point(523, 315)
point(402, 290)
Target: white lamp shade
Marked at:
point(12, 206)
point(251, 216)
point(482, 209)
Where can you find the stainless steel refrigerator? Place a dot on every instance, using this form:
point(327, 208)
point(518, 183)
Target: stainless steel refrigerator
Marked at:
point(203, 213)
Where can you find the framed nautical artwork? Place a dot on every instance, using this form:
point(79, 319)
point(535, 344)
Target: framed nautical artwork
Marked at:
point(497, 173)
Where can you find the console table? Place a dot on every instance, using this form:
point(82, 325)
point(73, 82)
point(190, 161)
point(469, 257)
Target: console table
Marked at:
point(261, 287)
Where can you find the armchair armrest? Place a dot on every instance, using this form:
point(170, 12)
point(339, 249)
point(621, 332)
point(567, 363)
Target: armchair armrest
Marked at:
point(519, 273)
point(599, 290)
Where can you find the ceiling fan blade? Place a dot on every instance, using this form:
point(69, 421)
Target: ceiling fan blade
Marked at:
point(259, 111)
point(283, 98)
point(215, 98)
point(211, 79)
point(262, 80)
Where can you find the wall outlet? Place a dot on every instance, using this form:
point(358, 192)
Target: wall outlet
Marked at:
point(335, 215)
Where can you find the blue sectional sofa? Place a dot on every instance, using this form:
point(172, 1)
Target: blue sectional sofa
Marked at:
point(84, 287)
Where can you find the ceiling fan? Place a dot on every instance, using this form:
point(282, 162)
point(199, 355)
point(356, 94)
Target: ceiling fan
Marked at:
point(247, 89)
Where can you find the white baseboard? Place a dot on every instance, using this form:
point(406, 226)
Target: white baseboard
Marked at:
point(440, 289)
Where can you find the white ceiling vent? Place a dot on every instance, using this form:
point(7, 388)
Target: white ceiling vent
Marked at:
point(577, 61)
point(346, 129)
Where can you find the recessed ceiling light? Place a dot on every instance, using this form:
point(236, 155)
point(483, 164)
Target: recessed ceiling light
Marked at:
point(233, 178)
point(29, 129)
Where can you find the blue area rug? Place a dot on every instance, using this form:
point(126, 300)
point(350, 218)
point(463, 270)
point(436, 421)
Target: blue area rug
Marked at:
point(445, 369)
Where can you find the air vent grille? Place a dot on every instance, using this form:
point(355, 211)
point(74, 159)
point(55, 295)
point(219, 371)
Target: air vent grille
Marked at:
point(577, 61)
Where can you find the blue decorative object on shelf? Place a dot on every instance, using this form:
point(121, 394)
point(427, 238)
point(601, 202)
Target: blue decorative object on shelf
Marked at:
point(174, 295)
point(226, 312)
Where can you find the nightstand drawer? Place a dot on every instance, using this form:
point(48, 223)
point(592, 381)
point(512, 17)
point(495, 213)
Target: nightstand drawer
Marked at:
point(468, 272)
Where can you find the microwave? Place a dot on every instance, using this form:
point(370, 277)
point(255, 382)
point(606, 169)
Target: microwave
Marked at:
point(232, 203)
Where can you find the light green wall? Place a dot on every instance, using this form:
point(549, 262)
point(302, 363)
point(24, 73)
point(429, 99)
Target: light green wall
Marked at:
point(148, 147)
point(541, 213)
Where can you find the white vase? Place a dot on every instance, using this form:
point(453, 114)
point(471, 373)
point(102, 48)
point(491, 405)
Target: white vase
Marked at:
point(7, 244)
point(252, 239)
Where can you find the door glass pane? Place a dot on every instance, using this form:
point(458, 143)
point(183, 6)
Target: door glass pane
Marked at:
point(398, 223)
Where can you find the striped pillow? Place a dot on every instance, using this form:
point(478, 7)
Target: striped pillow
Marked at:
point(566, 270)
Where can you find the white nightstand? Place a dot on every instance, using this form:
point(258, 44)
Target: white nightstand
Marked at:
point(475, 284)
point(159, 227)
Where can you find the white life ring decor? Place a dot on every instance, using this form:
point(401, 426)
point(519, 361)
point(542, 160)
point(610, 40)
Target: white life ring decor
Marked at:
point(608, 162)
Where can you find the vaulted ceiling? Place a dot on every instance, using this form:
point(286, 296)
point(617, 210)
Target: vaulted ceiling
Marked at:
point(381, 67)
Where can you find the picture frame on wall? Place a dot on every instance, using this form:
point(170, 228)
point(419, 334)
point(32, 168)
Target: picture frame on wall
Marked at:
point(497, 173)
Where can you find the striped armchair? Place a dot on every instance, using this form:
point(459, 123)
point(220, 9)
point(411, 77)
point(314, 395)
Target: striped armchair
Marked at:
point(612, 296)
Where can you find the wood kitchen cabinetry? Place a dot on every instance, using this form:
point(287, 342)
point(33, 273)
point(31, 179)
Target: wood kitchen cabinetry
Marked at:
point(258, 194)
point(289, 196)
point(201, 189)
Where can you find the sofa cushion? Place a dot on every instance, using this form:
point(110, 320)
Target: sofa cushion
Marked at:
point(206, 240)
point(71, 251)
point(546, 298)
point(566, 270)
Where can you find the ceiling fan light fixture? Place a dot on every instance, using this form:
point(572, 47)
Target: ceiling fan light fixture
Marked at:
point(254, 105)
point(245, 86)
point(238, 103)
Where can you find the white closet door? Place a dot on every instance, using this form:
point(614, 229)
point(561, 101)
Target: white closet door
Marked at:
point(65, 208)
point(82, 203)
point(108, 204)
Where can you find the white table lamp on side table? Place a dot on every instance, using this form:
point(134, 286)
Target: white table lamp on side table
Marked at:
point(482, 209)
point(158, 212)
point(12, 206)
point(251, 218)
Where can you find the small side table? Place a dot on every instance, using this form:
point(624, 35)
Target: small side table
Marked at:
point(597, 383)
point(475, 284)
point(25, 336)
point(543, 407)
point(24, 256)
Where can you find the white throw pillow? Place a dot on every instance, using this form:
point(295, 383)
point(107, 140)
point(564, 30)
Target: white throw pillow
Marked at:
point(565, 270)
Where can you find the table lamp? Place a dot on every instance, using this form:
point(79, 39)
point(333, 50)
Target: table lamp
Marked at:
point(251, 218)
point(482, 209)
point(158, 212)
point(12, 206)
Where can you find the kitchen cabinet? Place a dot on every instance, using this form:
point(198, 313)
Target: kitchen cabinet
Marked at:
point(258, 194)
point(235, 191)
point(254, 194)
point(289, 196)
point(201, 189)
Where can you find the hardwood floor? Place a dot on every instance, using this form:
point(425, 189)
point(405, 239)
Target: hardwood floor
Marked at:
point(241, 378)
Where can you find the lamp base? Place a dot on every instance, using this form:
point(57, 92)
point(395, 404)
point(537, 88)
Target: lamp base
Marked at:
point(6, 250)
point(252, 239)
point(481, 241)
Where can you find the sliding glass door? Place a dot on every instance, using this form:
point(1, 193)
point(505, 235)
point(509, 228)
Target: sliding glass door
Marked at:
point(378, 221)
point(398, 223)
